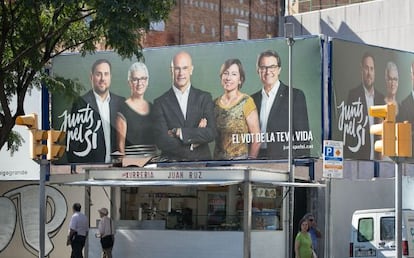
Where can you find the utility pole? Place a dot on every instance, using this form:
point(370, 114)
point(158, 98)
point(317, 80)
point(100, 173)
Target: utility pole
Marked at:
point(398, 208)
point(289, 34)
point(38, 150)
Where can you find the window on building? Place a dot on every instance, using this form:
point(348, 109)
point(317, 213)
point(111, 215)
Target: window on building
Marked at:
point(157, 26)
point(213, 32)
point(242, 31)
point(226, 30)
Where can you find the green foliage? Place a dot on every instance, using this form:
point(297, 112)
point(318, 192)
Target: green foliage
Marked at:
point(15, 140)
point(32, 32)
point(64, 87)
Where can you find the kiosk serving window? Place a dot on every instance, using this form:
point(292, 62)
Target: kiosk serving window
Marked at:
point(201, 208)
point(267, 208)
point(216, 209)
point(193, 198)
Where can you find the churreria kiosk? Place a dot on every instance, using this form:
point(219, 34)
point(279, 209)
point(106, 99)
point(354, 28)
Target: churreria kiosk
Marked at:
point(191, 212)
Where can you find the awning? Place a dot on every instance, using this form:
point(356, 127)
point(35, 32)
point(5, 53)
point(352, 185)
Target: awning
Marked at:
point(182, 183)
point(291, 184)
point(186, 177)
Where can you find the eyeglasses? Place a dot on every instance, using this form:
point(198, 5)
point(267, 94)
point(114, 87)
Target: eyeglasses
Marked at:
point(271, 68)
point(137, 80)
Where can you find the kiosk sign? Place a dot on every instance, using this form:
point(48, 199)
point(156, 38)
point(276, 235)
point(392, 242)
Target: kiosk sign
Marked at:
point(333, 159)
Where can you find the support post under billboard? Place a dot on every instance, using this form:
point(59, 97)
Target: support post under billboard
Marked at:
point(328, 219)
point(87, 209)
point(289, 33)
point(42, 206)
point(398, 207)
point(247, 218)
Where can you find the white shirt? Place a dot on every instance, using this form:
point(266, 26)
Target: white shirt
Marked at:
point(106, 227)
point(369, 98)
point(182, 98)
point(79, 224)
point(265, 107)
point(104, 112)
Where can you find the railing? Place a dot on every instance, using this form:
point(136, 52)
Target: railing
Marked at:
point(313, 5)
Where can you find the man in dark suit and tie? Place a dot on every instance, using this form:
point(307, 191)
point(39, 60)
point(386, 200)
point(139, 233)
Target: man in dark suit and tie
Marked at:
point(184, 116)
point(273, 105)
point(91, 132)
point(359, 143)
point(407, 105)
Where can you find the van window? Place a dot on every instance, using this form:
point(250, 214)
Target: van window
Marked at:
point(387, 228)
point(365, 229)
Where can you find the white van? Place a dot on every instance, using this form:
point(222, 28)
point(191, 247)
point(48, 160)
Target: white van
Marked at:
point(373, 233)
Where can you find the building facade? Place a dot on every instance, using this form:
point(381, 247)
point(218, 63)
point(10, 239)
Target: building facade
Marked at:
point(194, 21)
point(215, 21)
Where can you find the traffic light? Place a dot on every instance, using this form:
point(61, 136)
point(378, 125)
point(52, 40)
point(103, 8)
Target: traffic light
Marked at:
point(386, 129)
point(396, 137)
point(37, 148)
point(54, 146)
point(403, 143)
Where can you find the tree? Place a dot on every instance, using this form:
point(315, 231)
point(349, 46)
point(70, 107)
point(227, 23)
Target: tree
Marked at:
point(35, 31)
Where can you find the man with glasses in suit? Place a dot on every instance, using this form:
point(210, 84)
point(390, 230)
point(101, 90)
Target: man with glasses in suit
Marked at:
point(272, 102)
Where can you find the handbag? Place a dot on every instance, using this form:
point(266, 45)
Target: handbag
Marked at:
point(108, 241)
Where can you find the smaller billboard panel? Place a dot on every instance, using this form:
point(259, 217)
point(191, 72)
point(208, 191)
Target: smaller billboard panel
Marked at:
point(362, 76)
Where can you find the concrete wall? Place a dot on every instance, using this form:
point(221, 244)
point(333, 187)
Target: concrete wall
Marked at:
point(346, 196)
point(387, 23)
point(350, 195)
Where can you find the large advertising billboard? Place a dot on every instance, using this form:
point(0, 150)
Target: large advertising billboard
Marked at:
point(362, 76)
point(195, 102)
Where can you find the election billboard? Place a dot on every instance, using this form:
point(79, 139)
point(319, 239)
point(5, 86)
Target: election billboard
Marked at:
point(213, 101)
point(361, 76)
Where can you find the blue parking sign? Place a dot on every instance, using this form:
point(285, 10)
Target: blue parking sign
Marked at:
point(329, 151)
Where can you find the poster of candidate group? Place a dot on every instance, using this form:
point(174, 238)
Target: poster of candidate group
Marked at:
point(215, 101)
point(362, 76)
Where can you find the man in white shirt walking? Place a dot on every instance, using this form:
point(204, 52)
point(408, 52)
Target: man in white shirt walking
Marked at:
point(78, 231)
